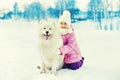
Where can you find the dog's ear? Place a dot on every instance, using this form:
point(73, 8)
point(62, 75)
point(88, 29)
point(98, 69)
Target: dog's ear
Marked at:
point(41, 21)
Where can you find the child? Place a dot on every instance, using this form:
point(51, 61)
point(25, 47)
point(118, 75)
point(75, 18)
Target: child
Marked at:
point(73, 59)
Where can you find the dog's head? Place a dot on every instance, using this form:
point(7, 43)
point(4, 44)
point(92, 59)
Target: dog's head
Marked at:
point(46, 29)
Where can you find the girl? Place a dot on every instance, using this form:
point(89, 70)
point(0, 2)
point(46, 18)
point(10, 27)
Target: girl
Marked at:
point(73, 59)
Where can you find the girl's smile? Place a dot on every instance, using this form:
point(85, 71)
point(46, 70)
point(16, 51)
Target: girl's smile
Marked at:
point(63, 25)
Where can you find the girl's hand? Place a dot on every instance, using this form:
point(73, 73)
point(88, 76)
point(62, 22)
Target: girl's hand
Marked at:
point(57, 52)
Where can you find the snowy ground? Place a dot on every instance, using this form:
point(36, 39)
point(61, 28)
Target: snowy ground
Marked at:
point(19, 54)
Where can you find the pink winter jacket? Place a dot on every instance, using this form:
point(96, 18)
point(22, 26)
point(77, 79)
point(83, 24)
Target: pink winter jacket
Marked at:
point(70, 48)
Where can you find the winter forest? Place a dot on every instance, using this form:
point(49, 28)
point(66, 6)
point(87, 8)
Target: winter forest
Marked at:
point(104, 13)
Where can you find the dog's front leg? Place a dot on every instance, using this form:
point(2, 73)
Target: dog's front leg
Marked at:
point(53, 70)
point(54, 67)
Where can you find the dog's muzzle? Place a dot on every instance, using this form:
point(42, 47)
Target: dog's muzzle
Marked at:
point(47, 36)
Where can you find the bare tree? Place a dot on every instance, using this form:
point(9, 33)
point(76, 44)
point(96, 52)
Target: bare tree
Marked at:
point(106, 17)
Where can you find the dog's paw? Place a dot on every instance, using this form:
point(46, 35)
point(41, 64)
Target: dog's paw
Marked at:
point(54, 72)
point(41, 70)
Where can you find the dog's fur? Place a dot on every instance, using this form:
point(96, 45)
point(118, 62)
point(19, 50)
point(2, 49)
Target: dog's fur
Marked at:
point(50, 42)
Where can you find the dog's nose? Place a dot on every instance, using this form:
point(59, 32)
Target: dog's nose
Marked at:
point(47, 32)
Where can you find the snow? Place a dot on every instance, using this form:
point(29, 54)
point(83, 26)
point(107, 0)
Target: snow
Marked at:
point(19, 53)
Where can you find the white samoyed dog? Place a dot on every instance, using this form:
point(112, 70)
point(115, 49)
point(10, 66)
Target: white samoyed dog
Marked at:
point(50, 41)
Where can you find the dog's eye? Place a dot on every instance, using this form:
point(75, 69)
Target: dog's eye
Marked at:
point(44, 28)
point(49, 28)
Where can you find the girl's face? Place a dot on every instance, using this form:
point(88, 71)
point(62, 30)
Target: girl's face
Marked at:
point(63, 25)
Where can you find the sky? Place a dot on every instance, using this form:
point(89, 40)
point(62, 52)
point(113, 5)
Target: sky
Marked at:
point(81, 4)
